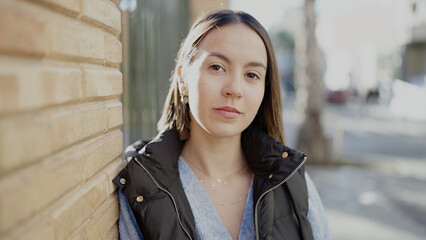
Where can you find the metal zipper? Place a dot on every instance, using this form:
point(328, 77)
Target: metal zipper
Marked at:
point(163, 189)
point(279, 184)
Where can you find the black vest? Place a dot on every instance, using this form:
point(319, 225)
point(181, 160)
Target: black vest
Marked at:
point(155, 193)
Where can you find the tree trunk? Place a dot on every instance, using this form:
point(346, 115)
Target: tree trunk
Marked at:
point(311, 138)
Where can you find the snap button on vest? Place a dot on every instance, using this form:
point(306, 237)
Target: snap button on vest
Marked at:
point(122, 181)
point(139, 199)
point(284, 155)
point(270, 176)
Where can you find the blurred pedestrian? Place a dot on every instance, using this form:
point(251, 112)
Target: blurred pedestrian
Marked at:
point(219, 168)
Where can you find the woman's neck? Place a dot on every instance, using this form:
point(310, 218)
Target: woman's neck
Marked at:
point(215, 156)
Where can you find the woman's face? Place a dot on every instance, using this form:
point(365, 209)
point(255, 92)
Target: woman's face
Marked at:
point(226, 80)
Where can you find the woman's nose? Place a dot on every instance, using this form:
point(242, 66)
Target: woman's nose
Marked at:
point(233, 88)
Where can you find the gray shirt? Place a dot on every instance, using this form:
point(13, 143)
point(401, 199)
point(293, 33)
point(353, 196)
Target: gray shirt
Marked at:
point(207, 221)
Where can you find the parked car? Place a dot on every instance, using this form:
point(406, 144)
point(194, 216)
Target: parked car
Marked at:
point(340, 96)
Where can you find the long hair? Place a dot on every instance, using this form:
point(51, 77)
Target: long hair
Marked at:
point(269, 118)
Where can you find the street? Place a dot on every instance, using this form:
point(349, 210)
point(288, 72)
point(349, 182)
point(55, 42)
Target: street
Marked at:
point(376, 187)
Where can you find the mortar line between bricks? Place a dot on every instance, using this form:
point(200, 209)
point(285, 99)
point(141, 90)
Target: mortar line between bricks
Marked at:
point(79, 16)
point(109, 135)
point(75, 102)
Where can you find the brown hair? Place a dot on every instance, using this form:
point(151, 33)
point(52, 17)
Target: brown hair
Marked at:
point(176, 114)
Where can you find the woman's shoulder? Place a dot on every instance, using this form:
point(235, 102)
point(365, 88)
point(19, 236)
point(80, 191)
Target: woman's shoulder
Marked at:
point(133, 149)
point(131, 173)
point(316, 212)
point(149, 164)
point(134, 181)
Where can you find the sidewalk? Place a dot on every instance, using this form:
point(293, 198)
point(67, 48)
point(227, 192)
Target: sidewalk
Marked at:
point(377, 188)
point(364, 203)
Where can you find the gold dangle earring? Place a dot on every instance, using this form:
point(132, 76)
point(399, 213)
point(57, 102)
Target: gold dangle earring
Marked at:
point(184, 90)
point(184, 97)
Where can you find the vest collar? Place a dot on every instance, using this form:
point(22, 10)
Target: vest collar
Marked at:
point(268, 158)
point(264, 156)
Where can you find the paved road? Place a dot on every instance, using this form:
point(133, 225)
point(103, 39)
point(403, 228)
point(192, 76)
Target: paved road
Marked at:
point(364, 203)
point(382, 193)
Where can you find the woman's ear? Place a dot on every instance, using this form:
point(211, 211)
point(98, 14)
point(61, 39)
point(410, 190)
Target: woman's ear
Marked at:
point(182, 85)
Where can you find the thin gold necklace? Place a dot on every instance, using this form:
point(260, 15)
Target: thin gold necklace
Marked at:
point(223, 204)
point(223, 180)
point(226, 204)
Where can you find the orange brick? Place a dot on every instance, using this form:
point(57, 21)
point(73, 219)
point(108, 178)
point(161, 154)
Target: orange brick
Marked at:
point(77, 41)
point(71, 125)
point(41, 184)
point(9, 89)
point(69, 7)
point(115, 114)
point(107, 149)
point(39, 227)
point(59, 86)
point(111, 171)
point(37, 86)
point(23, 139)
point(60, 145)
point(112, 234)
point(33, 189)
point(104, 218)
point(113, 51)
point(115, 1)
point(79, 205)
point(28, 137)
point(103, 13)
point(22, 30)
point(101, 83)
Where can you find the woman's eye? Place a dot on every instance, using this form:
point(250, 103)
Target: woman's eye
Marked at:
point(216, 68)
point(253, 76)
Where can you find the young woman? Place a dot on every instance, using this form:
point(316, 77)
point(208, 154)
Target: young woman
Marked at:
point(219, 168)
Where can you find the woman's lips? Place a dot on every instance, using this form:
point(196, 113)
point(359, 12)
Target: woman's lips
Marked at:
point(228, 112)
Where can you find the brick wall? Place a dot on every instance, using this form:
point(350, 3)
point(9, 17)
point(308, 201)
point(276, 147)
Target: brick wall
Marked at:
point(60, 119)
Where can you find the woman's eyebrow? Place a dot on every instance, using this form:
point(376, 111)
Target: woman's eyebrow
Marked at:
point(226, 59)
point(255, 64)
point(219, 55)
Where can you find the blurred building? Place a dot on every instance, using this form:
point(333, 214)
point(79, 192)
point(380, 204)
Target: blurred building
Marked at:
point(363, 45)
point(409, 97)
point(414, 53)
point(367, 44)
point(352, 43)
